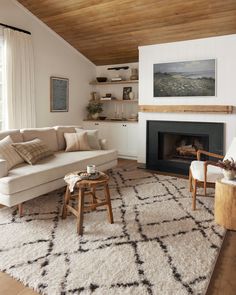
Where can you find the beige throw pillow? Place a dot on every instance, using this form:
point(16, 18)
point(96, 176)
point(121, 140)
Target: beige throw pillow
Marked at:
point(93, 139)
point(8, 153)
point(32, 151)
point(76, 142)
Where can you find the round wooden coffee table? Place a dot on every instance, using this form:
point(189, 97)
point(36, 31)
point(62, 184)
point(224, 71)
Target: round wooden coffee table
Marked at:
point(225, 205)
point(87, 187)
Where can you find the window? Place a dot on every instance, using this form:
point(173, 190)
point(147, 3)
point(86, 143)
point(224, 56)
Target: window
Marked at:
point(1, 80)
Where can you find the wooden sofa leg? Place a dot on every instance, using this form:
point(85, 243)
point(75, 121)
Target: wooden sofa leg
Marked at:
point(20, 209)
point(194, 194)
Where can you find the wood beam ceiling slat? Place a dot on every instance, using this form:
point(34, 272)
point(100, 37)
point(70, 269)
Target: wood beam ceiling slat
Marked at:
point(107, 31)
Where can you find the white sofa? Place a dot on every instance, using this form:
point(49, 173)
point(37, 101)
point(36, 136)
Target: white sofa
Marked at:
point(25, 182)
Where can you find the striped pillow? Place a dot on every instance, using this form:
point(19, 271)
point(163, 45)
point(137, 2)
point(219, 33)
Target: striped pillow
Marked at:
point(8, 153)
point(76, 142)
point(32, 151)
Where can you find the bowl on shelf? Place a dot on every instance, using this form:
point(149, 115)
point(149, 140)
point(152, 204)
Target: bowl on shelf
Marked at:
point(101, 79)
point(102, 118)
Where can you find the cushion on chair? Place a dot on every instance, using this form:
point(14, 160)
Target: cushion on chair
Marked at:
point(231, 153)
point(213, 172)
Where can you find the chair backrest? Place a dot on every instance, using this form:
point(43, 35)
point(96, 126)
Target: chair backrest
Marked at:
point(231, 153)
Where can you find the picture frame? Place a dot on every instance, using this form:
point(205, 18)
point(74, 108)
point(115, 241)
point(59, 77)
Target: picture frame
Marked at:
point(126, 92)
point(185, 78)
point(59, 94)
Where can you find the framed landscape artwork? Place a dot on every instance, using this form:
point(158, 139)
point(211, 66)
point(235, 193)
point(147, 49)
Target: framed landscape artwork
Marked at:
point(187, 78)
point(59, 94)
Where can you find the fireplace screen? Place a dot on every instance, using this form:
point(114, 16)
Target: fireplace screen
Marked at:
point(181, 147)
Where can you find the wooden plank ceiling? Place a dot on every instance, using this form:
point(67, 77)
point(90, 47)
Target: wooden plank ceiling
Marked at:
point(110, 31)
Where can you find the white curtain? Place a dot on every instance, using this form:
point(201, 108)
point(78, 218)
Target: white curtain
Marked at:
point(18, 80)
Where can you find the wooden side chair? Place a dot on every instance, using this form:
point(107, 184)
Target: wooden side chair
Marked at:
point(204, 172)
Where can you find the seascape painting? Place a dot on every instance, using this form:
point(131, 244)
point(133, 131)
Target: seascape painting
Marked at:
point(188, 78)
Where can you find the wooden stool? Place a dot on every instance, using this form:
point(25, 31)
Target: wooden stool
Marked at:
point(87, 187)
point(225, 205)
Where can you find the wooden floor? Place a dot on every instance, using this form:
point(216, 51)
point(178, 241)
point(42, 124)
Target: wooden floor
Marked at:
point(223, 281)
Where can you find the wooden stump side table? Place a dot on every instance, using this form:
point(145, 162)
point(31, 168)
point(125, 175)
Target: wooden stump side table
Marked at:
point(87, 187)
point(225, 205)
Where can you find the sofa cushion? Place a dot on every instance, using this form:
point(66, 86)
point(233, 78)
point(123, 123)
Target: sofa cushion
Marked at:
point(93, 139)
point(8, 153)
point(15, 134)
point(47, 135)
point(25, 176)
point(32, 151)
point(60, 135)
point(76, 142)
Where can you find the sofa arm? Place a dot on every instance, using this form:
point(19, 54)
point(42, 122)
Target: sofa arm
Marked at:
point(3, 168)
point(103, 144)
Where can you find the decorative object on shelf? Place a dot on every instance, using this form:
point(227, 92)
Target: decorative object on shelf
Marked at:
point(131, 95)
point(229, 168)
point(59, 94)
point(101, 79)
point(94, 108)
point(119, 68)
point(116, 78)
point(126, 92)
point(134, 74)
point(187, 78)
point(102, 118)
point(94, 95)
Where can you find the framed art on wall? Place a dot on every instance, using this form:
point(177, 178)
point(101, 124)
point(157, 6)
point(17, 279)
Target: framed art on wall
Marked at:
point(59, 94)
point(187, 78)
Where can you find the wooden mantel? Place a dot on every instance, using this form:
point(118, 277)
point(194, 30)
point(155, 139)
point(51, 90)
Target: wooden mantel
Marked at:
point(215, 109)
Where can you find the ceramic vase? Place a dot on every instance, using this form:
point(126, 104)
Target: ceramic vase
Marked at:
point(95, 116)
point(228, 174)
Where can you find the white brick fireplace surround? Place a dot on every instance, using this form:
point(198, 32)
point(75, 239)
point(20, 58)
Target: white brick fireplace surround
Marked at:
point(222, 49)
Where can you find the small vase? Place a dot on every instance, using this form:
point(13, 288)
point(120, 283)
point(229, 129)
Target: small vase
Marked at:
point(131, 95)
point(228, 174)
point(95, 116)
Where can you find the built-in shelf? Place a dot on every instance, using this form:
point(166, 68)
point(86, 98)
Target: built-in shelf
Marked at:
point(119, 101)
point(114, 82)
point(216, 109)
point(109, 120)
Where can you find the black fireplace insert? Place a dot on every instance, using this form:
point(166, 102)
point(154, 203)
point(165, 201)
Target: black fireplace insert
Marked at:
point(171, 146)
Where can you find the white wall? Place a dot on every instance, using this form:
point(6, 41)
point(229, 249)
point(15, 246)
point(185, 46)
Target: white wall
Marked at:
point(53, 57)
point(223, 49)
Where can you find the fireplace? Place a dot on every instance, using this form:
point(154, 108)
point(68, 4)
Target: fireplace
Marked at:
point(171, 146)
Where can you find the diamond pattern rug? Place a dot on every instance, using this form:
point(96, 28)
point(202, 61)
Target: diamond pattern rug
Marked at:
point(157, 244)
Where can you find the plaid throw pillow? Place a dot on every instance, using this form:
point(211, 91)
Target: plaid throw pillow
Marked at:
point(32, 151)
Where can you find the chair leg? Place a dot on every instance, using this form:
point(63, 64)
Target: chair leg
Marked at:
point(194, 193)
point(80, 211)
point(66, 202)
point(205, 188)
point(20, 209)
point(108, 200)
point(190, 181)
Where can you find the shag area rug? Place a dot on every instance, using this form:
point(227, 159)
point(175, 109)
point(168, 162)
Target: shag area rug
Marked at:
point(157, 244)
